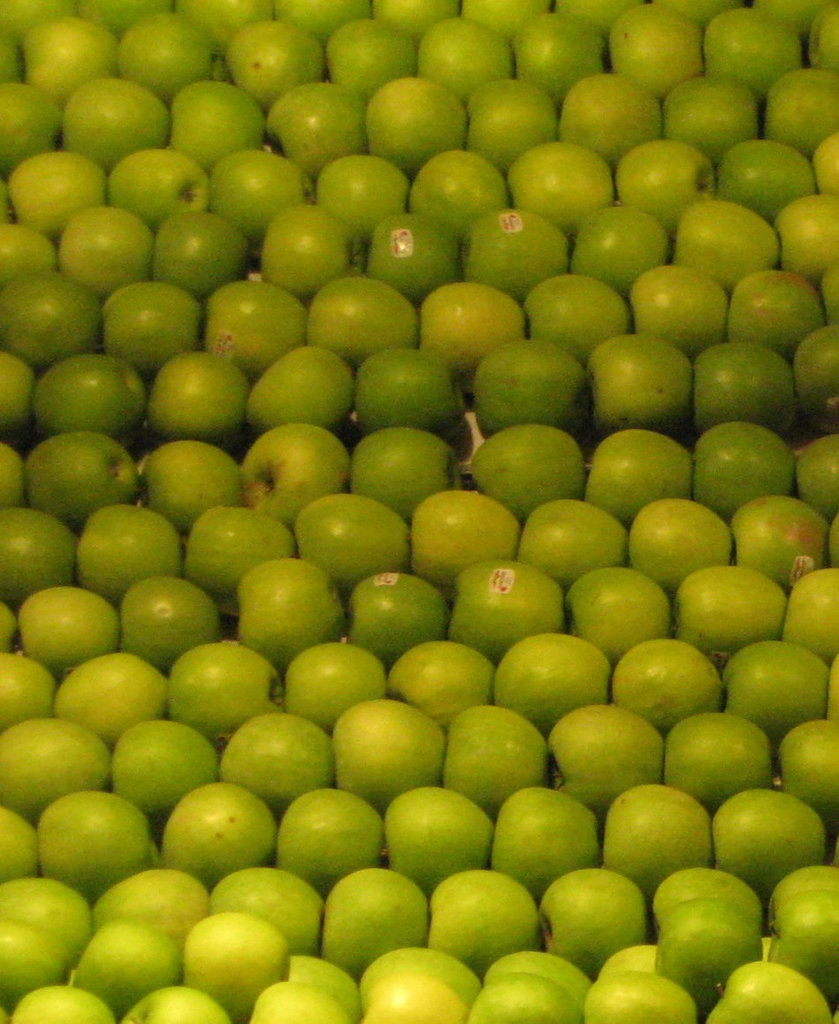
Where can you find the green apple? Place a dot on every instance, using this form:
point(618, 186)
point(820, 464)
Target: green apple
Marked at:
point(328, 978)
point(121, 543)
point(812, 877)
point(753, 47)
point(38, 120)
point(441, 678)
point(175, 1003)
point(686, 884)
point(774, 992)
point(432, 832)
point(182, 478)
point(814, 368)
point(591, 913)
point(46, 903)
point(39, 551)
point(800, 107)
point(400, 997)
point(328, 833)
point(816, 474)
point(28, 687)
point(325, 679)
point(491, 752)
point(663, 177)
point(165, 50)
point(19, 846)
point(211, 118)
point(547, 965)
point(639, 38)
point(290, 1000)
point(105, 248)
point(215, 829)
point(278, 755)
point(47, 188)
point(222, 17)
point(617, 244)
point(463, 53)
point(217, 686)
point(18, 389)
point(368, 912)
point(515, 994)
point(63, 1004)
point(390, 613)
point(24, 250)
point(91, 839)
point(366, 52)
point(156, 762)
point(286, 605)
point(156, 182)
point(60, 627)
point(125, 960)
point(413, 253)
point(555, 48)
point(760, 835)
point(510, 115)
point(714, 754)
point(429, 962)
point(268, 57)
point(803, 929)
point(64, 51)
point(629, 996)
point(362, 189)
point(781, 536)
point(822, 166)
point(384, 747)
point(712, 114)
point(580, 740)
point(540, 834)
point(282, 898)
point(413, 16)
point(806, 764)
point(810, 614)
point(798, 224)
point(765, 175)
point(198, 251)
point(458, 186)
point(11, 476)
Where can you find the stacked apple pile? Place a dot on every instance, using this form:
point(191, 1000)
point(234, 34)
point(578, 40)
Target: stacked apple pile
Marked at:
point(419, 511)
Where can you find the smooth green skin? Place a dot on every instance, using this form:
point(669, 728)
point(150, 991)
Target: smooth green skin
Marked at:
point(763, 834)
point(640, 957)
point(407, 120)
point(509, 116)
point(93, 839)
point(413, 253)
point(217, 686)
point(317, 122)
point(63, 1004)
point(453, 529)
point(19, 847)
point(714, 754)
point(233, 956)
point(118, 15)
point(411, 996)
point(617, 244)
point(328, 978)
point(18, 384)
point(524, 996)
point(504, 18)
point(652, 830)
point(589, 914)
point(663, 177)
point(543, 676)
point(47, 188)
point(362, 189)
point(215, 829)
point(772, 993)
point(778, 308)
point(324, 680)
point(532, 381)
point(810, 618)
point(813, 877)
point(167, 898)
point(60, 627)
point(39, 552)
point(383, 747)
point(110, 692)
point(104, 248)
point(700, 942)
point(266, 59)
point(24, 251)
point(210, 119)
point(369, 912)
point(547, 965)
point(154, 763)
point(800, 107)
point(413, 16)
point(777, 684)
point(400, 466)
point(390, 614)
point(323, 16)
point(364, 53)
point(282, 898)
point(441, 677)
point(617, 607)
point(278, 756)
point(329, 833)
point(124, 961)
point(633, 997)
point(28, 687)
point(580, 741)
point(577, 312)
point(753, 48)
point(746, 381)
point(29, 752)
point(503, 918)
point(198, 395)
point(540, 833)
point(46, 903)
point(357, 316)
point(817, 475)
point(221, 18)
point(432, 832)
point(490, 753)
point(498, 602)
point(804, 929)
point(666, 680)
point(178, 1004)
point(122, 543)
point(163, 616)
point(633, 466)
point(305, 246)
point(525, 465)
point(806, 756)
point(670, 537)
point(765, 175)
point(154, 183)
point(568, 537)
point(640, 39)
point(463, 53)
point(147, 322)
point(307, 384)
point(711, 114)
point(736, 461)
point(587, 184)
point(62, 53)
point(198, 251)
point(289, 1000)
point(33, 959)
point(164, 51)
point(433, 963)
point(253, 323)
point(691, 883)
point(38, 118)
point(553, 49)
point(458, 187)
point(815, 370)
point(823, 165)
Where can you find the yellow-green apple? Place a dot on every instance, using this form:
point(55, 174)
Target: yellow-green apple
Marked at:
point(823, 165)
point(211, 118)
point(804, 926)
point(463, 53)
point(554, 48)
point(441, 677)
point(750, 46)
point(630, 995)
point(816, 473)
point(616, 244)
point(59, 1001)
point(290, 1000)
point(807, 767)
point(19, 847)
point(105, 248)
point(402, 996)
point(457, 186)
point(765, 175)
point(362, 189)
point(745, 381)
point(712, 114)
point(36, 118)
point(28, 690)
point(510, 115)
point(800, 107)
point(815, 368)
point(810, 615)
point(546, 965)
point(687, 884)
point(781, 989)
point(433, 963)
point(413, 253)
point(268, 57)
point(46, 903)
point(364, 53)
point(165, 50)
point(781, 536)
point(221, 18)
point(63, 51)
point(173, 1001)
point(523, 992)
point(39, 551)
point(199, 251)
point(639, 36)
point(807, 234)
point(47, 188)
point(414, 16)
point(775, 307)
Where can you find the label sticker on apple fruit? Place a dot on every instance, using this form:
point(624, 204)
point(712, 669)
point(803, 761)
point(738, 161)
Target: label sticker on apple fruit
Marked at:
point(801, 565)
point(223, 344)
point(501, 580)
point(510, 222)
point(385, 579)
point(402, 243)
